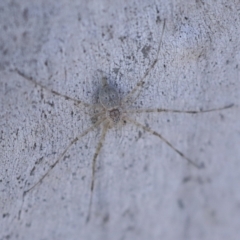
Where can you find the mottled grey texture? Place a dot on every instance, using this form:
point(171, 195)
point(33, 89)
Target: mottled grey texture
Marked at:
point(144, 190)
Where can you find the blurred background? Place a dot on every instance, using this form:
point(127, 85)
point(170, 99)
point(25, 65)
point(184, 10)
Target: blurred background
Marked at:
point(143, 189)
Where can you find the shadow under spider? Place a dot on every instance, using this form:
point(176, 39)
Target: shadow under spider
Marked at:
point(112, 112)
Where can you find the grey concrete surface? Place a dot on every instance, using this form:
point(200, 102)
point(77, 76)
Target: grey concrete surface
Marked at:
point(143, 189)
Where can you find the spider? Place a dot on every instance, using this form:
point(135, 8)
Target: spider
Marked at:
point(112, 112)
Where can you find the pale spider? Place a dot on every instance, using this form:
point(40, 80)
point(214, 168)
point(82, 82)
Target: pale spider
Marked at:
point(112, 112)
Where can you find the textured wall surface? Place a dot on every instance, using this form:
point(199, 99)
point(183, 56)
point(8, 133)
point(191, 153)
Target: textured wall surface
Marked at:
point(143, 188)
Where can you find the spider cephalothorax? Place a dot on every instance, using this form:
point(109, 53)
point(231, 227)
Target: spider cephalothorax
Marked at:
point(114, 115)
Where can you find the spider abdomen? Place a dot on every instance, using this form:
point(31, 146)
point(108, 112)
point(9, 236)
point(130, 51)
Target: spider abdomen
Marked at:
point(109, 97)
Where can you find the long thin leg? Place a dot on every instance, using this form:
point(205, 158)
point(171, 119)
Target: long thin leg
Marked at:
point(30, 79)
point(141, 82)
point(166, 141)
point(59, 158)
point(179, 111)
point(100, 144)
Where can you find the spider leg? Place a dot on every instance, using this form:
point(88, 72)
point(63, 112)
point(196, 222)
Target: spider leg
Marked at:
point(166, 141)
point(99, 146)
point(179, 111)
point(30, 79)
point(58, 159)
point(142, 82)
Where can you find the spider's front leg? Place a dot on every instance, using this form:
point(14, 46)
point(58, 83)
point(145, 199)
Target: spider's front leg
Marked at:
point(180, 111)
point(148, 129)
point(99, 146)
point(58, 160)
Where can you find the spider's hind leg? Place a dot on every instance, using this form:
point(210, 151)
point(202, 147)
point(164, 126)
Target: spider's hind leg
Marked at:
point(134, 93)
point(77, 102)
